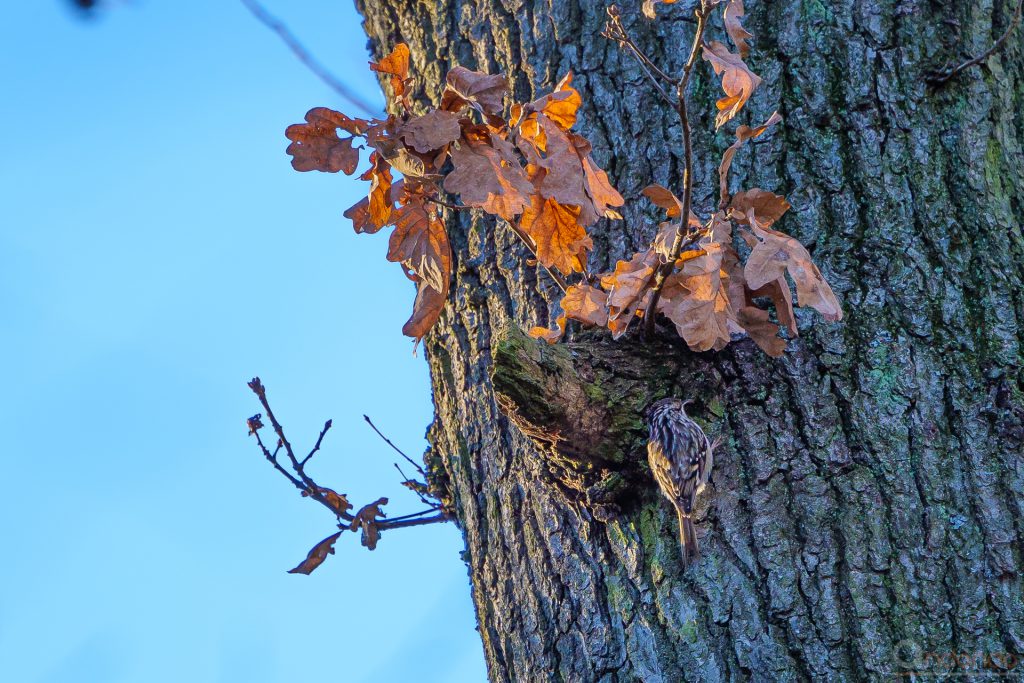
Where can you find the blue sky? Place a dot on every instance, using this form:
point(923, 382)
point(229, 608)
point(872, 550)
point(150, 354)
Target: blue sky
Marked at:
point(157, 251)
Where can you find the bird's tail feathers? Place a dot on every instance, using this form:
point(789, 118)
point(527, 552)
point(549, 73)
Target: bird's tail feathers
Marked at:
point(687, 538)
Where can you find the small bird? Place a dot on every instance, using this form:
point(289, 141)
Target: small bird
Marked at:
point(681, 458)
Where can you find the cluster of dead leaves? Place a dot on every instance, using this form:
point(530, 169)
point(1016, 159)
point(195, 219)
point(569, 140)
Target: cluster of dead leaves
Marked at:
point(529, 169)
point(711, 294)
point(365, 520)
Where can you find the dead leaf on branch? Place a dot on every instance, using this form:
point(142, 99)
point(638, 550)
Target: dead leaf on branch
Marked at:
point(489, 178)
point(767, 206)
point(627, 286)
point(366, 520)
point(380, 202)
point(316, 556)
point(721, 229)
point(562, 178)
point(338, 502)
point(395, 65)
point(699, 307)
point(559, 106)
point(782, 299)
point(776, 253)
point(426, 310)
point(581, 302)
point(696, 300)
point(316, 146)
point(741, 295)
point(743, 134)
point(664, 198)
point(666, 236)
point(359, 214)
point(587, 304)
point(601, 191)
point(405, 160)
point(560, 240)
point(432, 131)
point(735, 284)
point(484, 92)
point(732, 17)
point(601, 194)
point(420, 243)
point(763, 331)
point(738, 81)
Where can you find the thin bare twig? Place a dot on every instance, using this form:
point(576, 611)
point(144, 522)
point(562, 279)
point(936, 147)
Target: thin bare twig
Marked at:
point(406, 480)
point(412, 462)
point(447, 205)
point(261, 393)
point(272, 458)
point(414, 515)
point(319, 440)
point(393, 446)
point(304, 483)
point(939, 77)
point(302, 53)
point(405, 477)
point(615, 30)
point(683, 231)
point(392, 524)
point(684, 234)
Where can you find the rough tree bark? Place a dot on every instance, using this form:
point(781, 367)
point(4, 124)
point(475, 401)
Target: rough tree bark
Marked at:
point(866, 505)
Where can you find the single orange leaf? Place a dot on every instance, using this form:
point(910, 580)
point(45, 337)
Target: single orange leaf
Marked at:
point(776, 253)
point(763, 331)
point(316, 556)
point(316, 146)
point(733, 15)
point(395, 65)
point(555, 230)
point(738, 81)
point(743, 133)
point(380, 190)
point(766, 206)
point(432, 131)
point(485, 92)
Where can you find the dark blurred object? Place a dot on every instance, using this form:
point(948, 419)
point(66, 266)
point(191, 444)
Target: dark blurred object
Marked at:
point(86, 5)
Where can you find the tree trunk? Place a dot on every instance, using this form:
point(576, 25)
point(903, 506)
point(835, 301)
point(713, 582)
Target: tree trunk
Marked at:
point(864, 516)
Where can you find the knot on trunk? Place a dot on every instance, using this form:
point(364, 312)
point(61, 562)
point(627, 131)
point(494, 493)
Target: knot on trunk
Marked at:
point(582, 404)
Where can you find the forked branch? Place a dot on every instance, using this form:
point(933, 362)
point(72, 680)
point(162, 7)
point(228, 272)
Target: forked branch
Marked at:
point(369, 519)
point(685, 234)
